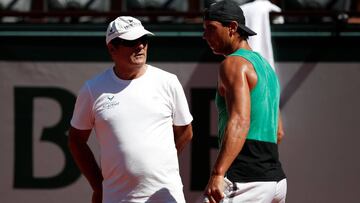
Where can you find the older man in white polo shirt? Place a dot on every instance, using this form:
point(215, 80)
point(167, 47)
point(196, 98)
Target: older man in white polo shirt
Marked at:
point(141, 119)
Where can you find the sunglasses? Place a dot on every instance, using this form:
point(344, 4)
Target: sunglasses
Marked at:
point(131, 43)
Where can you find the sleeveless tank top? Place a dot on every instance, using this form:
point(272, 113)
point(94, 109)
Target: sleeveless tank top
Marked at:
point(258, 160)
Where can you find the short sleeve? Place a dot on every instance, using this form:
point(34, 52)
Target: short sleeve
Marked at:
point(181, 112)
point(83, 118)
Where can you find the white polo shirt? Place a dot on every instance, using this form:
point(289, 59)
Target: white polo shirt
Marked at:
point(133, 122)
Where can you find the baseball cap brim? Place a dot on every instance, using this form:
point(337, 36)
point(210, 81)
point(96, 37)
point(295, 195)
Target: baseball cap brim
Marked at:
point(135, 33)
point(247, 30)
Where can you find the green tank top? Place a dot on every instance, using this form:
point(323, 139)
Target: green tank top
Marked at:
point(264, 97)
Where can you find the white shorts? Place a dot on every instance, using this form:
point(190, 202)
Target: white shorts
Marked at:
point(254, 192)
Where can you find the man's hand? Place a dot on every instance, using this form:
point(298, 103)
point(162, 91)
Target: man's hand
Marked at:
point(215, 189)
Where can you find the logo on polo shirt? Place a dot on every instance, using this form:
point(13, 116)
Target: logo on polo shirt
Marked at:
point(110, 103)
point(110, 98)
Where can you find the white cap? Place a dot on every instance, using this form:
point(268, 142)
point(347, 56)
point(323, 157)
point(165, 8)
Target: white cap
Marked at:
point(125, 27)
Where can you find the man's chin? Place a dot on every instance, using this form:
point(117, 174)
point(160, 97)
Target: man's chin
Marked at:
point(216, 52)
point(139, 59)
point(139, 62)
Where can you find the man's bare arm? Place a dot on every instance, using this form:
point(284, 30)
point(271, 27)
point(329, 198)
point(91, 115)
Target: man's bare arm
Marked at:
point(85, 160)
point(280, 132)
point(182, 136)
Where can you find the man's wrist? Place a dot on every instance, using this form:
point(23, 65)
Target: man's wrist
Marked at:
point(217, 173)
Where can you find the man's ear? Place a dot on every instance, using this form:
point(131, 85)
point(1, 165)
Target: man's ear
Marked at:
point(233, 26)
point(111, 48)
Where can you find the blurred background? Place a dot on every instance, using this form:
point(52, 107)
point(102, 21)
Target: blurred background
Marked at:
point(49, 48)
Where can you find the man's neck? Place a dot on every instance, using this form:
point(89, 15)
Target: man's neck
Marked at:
point(131, 73)
point(236, 45)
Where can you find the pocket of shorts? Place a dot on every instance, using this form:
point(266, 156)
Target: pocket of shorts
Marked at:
point(229, 188)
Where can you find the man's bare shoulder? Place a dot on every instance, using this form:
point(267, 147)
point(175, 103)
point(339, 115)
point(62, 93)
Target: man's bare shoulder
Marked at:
point(236, 68)
point(236, 62)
